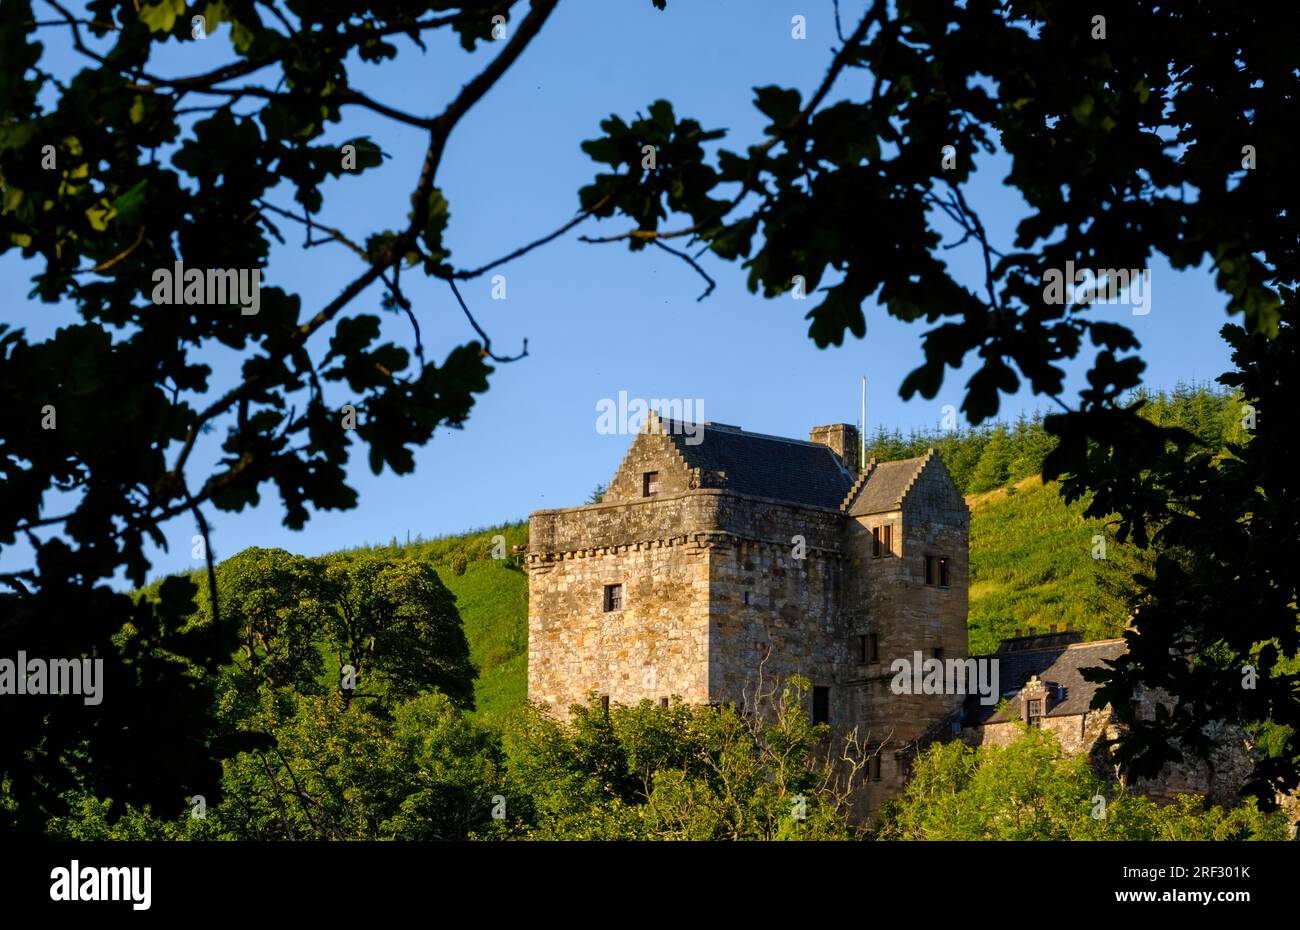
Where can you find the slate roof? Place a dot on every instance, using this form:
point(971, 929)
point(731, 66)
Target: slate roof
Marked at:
point(1057, 666)
point(885, 486)
point(756, 464)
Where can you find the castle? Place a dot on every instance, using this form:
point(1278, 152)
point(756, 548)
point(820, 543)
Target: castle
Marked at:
point(720, 555)
point(720, 562)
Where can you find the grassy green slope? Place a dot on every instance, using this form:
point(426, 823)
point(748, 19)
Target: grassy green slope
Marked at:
point(1032, 566)
point(493, 603)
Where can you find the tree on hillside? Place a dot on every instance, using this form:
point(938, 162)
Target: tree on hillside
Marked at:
point(278, 604)
point(995, 460)
point(1030, 446)
point(396, 624)
point(961, 453)
point(338, 771)
point(127, 168)
point(392, 620)
point(886, 445)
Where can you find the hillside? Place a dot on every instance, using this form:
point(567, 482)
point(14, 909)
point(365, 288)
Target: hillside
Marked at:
point(1032, 566)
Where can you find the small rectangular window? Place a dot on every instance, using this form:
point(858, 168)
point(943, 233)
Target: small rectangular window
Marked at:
point(875, 647)
point(943, 573)
point(864, 645)
point(1036, 714)
point(663, 702)
point(929, 569)
point(613, 597)
point(649, 483)
point(821, 704)
point(875, 542)
point(875, 767)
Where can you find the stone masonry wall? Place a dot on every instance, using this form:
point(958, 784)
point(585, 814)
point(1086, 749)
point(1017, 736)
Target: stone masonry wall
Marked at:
point(936, 522)
point(657, 644)
point(775, 576)
point(654, 647)
point(889, 598)
point(1220, 778)
point(1077, 733)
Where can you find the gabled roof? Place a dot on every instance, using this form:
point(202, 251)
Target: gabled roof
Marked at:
point(756, 464)
point(1056, 667)
point(885, 486)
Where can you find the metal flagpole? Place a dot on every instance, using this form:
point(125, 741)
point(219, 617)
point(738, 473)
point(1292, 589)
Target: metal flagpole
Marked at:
point(862, 453)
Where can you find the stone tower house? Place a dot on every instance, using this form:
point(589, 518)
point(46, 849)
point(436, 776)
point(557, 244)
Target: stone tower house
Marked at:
point(718, 555)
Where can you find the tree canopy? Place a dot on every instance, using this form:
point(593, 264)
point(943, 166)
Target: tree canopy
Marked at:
point(1031, 790)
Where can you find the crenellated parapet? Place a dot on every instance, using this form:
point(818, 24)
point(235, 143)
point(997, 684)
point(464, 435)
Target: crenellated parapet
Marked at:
point(703, 517)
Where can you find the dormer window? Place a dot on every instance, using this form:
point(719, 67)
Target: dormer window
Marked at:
point(1036, 713)
point(649, 483)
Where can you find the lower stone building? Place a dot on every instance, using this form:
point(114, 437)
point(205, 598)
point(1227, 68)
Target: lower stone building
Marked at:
point(1043, 687)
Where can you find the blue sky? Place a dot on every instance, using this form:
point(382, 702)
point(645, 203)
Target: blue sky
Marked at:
point(598, 319)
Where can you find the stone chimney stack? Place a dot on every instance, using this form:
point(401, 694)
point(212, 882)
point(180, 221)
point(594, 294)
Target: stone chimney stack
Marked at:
point(843, 440)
